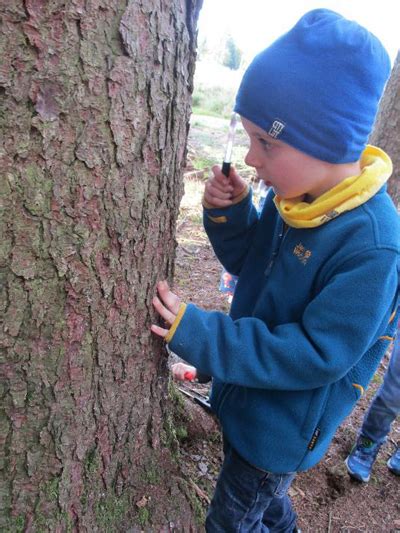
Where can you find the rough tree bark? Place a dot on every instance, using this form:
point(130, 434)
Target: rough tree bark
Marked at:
point(95, 103)
point(386, 133)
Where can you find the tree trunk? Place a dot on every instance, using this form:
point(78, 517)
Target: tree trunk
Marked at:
point(386, 133)
point(95, 98)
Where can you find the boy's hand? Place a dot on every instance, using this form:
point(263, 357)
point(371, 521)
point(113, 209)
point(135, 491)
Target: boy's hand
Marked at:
point(167, 306)
point(183, 372)
point(220, 191)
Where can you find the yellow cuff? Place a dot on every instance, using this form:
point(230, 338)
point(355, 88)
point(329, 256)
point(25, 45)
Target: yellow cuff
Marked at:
point(173, 328)
point(235, 200)
point(218, 220)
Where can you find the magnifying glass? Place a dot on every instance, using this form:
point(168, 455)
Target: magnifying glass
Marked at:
point(226, 165)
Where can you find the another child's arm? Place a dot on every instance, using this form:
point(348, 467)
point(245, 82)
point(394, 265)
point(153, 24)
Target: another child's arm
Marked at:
point(183, 372)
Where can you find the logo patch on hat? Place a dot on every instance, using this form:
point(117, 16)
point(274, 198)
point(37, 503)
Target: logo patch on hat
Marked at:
point(276, 128)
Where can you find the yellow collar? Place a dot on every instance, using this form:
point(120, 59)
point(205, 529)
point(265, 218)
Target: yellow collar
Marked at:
point(348, 194)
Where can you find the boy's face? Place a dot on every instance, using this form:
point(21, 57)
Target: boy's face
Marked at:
point(287, 170)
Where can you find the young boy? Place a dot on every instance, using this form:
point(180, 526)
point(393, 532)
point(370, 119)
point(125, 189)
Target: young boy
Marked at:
point(318, 270)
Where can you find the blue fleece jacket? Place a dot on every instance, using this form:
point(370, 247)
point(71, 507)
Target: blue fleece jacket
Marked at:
point(311, 318)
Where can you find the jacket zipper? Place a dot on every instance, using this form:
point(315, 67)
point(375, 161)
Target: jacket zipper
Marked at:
point(275, 253)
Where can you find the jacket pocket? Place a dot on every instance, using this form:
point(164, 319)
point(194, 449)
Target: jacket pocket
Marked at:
point(329, 406)
point(337, 404)
point(316, 407)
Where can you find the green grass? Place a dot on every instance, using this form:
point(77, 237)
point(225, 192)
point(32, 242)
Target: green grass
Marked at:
point(191, 202)
point(201, 163)
point(143, 516)
point(213, 101)
point(208, 113)
point(207, 141)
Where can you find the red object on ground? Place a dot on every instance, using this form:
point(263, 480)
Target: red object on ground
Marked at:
point(189, 376)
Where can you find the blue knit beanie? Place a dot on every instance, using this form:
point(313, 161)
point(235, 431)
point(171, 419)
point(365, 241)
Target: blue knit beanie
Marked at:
point(318, 86)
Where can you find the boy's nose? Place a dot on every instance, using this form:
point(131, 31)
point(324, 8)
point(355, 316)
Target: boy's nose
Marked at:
point(250, 159)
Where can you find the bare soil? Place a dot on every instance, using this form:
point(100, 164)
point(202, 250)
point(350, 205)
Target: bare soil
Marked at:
point(325, 497)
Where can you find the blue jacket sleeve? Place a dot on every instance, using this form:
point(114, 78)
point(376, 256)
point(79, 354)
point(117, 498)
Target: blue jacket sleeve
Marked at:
point(230, 231)
point(338, 326)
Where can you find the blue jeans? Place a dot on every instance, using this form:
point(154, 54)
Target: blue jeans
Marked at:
point(249, 499)
point(386, 403)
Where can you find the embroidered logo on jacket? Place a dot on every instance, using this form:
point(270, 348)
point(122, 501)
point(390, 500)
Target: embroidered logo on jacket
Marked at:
point(301, 253)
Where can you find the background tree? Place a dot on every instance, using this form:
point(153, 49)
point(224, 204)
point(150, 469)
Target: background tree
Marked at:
point(386, 133)
point(203, 50)
point(233, 55)
point(95, 102)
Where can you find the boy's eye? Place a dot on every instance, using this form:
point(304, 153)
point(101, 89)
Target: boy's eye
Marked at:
point(264, 143)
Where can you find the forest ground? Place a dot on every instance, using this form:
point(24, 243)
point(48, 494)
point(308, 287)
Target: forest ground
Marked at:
point(325, 498)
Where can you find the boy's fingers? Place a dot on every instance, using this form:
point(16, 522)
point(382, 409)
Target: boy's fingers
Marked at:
point(168, 311)
point(163, 311)
point(215, 202)
point(161, 332)
point(217, 171)
point(170, 300)
point(239, 184)
point(220, 179)
point(218, 188)
point(212, 192)
point(219, 185)
point(215, 196)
